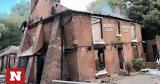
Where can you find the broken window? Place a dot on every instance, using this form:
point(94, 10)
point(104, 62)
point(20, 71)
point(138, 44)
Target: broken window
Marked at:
point(118, 27)
point(97, 33)
point(135, 51)
point(133, 32)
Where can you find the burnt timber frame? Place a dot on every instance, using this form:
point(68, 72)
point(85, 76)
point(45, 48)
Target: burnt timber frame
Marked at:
point(51, 18)
point(56, 37)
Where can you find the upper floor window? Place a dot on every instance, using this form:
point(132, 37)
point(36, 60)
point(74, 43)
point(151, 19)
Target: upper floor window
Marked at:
point(119, 28)
point(97, 32)
point(133, 31)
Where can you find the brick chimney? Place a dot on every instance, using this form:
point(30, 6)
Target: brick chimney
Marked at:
point(58, 7)
point(45, 8)
point(34, 2)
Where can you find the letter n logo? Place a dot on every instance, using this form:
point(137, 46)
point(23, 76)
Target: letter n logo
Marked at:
point(15, 76)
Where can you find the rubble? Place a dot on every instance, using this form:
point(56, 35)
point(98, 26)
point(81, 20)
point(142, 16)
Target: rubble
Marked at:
point(149, 71)
point(2, 78)
point(102, 73)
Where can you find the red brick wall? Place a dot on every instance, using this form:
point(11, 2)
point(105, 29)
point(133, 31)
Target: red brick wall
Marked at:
point(79, 32)
point(111, 54)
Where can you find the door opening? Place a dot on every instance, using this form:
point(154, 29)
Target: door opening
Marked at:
point(121, 59)
point(100, 59)
point(155, 52)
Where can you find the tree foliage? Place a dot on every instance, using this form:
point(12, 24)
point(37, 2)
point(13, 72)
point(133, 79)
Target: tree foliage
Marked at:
point(9, 24)
point(146, 12)
point(22, 8)
point(138, 64)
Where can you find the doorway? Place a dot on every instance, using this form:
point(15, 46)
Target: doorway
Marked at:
point(100, 59)
point(155, 52)
point(121, 58)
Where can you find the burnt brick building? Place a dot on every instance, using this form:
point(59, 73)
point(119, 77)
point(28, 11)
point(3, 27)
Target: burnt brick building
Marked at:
point(62, 44)
point(152, 49)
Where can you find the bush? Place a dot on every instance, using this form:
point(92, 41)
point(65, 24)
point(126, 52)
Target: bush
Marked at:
point(138, 64)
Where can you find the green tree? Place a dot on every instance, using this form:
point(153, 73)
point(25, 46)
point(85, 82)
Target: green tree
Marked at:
point(9, 24)
point(147, 12)
point(22, 8)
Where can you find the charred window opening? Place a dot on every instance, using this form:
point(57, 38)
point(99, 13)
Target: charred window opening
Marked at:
point(135, 51)
point(97, 31)
point(101, 28)
point(56, 5)
point(133, 31)
point(100, 59)
point(119, 27)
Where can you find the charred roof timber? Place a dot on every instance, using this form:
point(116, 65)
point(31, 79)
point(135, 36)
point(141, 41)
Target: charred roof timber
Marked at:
point(51, 18)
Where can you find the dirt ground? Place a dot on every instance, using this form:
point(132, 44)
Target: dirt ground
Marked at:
point(136, 79)
point(140, 79)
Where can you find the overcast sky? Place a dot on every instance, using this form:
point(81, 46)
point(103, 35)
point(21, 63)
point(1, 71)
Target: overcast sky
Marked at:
point(6, 5)
point(76, 4)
